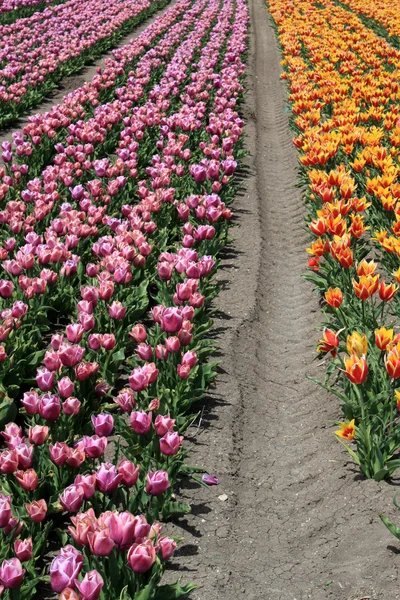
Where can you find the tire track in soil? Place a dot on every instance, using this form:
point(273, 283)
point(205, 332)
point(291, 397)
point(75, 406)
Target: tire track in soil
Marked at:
point(297, 521)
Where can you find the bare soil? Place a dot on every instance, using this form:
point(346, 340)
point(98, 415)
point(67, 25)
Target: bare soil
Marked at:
point(291, 519)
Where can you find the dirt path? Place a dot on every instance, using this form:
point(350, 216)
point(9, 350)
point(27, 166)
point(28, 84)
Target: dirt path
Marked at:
point(291, 518)
point(72, 82)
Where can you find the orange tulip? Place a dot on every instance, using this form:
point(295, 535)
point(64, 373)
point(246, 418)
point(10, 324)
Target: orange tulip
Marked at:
point(343, 254)
point(318, 227)
point(392, 363)
point(357, 344)
point(366, 268)
point(347, 430)
point(313, 263)
point(386, 292)
point(383, 337)
point(356, 369)
point(334, 297)
point(366, 286)
point(396, 275)
point(329, 342)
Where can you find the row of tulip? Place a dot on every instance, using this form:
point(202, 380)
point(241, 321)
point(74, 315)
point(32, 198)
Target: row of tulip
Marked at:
point(36, 52)
point(11, 10)
point(345, 100)
point(100, 433)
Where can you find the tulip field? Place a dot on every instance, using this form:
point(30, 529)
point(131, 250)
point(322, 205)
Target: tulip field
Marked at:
point(114, 207)
point(119, 202)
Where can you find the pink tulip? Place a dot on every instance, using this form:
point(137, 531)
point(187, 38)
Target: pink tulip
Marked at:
point(65, 568)
point(37, 510)
point(25, 455)
point(170, 443)
point(141, 557)
point(94, 445)
point(103, 424)
point(88, 483)
point(167, 547)
point(71, 499)
point(23, 549)
point(183, 371)
point(138, 333)
point(100, 542)
point(45, 379)
point(11, 573)
point(65, 387)
point(85, 370)
point(117, 311)
point(75, 458)
point(28, 480)
point(129, 472)
point(58, 453)
point(163, 424)
point(107, 478)
point(90, 586)
point(52, 361)
point(38, 434)
point(9, 461)
point(140, 421)
point(157, 483)
point(171, 320)
point(49, 407)
point(126, 400)
point(5, 510)
point(71, 406)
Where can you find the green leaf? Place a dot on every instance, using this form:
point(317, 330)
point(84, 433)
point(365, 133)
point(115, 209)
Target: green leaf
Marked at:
point(176, 508)
point(8, 411)
point(174, 591)
point(391, 526)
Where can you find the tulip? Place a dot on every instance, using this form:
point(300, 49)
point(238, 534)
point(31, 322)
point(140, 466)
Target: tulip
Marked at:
point(107, 478)
point(129, 472)
point(28, 480)
point(75, 458)
point(386, 292)
point(117, 311)
point(356, 369)
point(383, 337)
point(90, 586)
point(163, 424)
point(94, 445)
point(366, 286)
point(171, 320)
point(65, 387)
point(346, 431)
point(45, 379)
point(23, 549)
point(334, 297)
point(5, 510)
point(9, 461)
point(88, 483)
point(170, 443)
point(100, 542)
point(65, 568)
point(11, 573)
point(72, 498)
point(167, 547)
point(157, 483)
point(140, 422)
point(183, 371)
point(210, 479)
point(25, 455)
point(58, 453)
point(392, 363)
point(126, 400)
point(138, 379)
point(71, 406)
point(103, 424)
point(37, 510)
point(357, 344)
point(141, 557)
point(52, 361)
point(49, 407)
point(138, 333)
point(38, 434)
point(85, 370)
